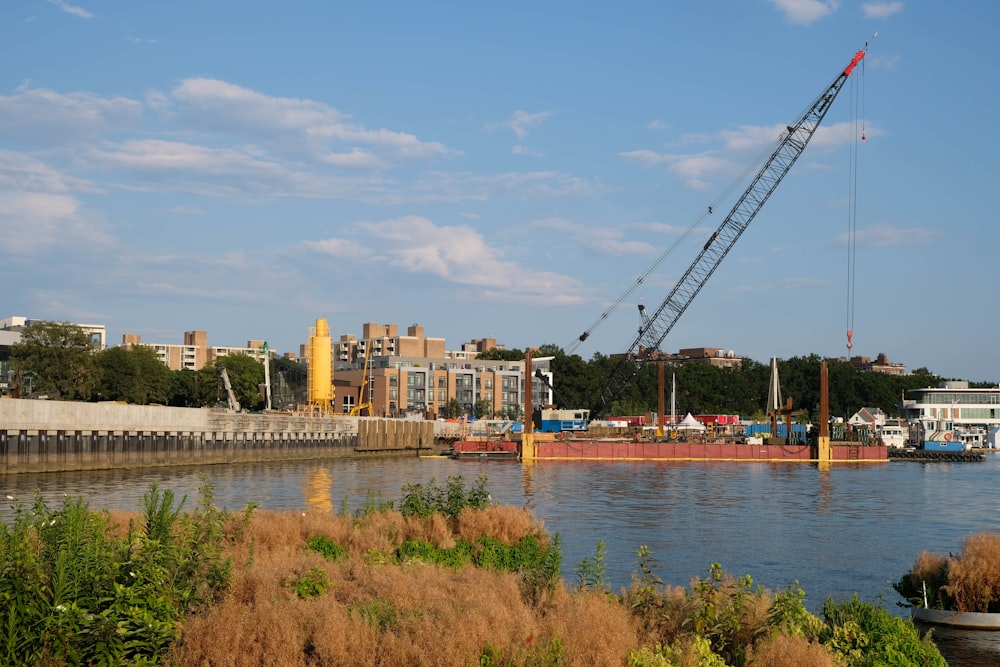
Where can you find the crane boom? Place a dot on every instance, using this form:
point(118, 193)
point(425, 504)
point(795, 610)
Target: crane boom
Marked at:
point(791, 145)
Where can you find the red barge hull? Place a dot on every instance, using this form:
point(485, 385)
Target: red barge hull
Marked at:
point(573, 449)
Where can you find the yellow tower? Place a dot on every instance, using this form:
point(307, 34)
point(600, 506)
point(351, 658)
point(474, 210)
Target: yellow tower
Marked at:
point(320, 377)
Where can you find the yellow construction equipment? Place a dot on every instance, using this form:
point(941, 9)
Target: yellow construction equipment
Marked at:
point(320, 391)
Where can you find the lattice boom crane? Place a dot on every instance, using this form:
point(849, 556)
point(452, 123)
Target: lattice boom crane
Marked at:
point(663, 319)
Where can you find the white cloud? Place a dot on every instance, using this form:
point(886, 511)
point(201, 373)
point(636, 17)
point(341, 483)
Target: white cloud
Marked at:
point(805, 283)
point(39, 211)
point(524, 150)
point(881, 10)
point(521, 122)
point(44, 117)
point(228, 172)
point(461, 186)
point(613, 241)
point(696, 169)
point(71, 9)
point(692, 168)
point(887, 236)
point(460, 255)
point(805, 12)
point(339, 248)
point(221, 108)
point(646, 158)
point(888, 62)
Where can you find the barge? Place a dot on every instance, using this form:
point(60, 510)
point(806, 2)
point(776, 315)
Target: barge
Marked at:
point(579, 447)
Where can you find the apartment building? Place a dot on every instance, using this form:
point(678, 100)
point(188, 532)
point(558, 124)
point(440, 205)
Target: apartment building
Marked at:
point(416, 374)
point(715, 356)
point(97, 332)
point(195, 352)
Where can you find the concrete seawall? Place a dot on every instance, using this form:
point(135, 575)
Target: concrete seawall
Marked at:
point(38, 436)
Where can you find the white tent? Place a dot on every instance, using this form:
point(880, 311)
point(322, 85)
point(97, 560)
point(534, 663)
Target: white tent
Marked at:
point(993, 438)
point(689, 423)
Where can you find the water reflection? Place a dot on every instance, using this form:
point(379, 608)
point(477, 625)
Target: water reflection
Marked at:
point(318, 490)
point(978, 648)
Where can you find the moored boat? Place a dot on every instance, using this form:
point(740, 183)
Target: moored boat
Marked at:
point(957, 619)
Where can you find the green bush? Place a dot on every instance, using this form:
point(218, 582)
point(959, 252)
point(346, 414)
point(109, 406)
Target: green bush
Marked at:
point(869, 636)
point(73, 593)
point(327, 548)
point(311, 584)
point(422, 500)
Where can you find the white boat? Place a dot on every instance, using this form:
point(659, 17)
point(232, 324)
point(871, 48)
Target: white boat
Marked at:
point(957, 619)
point(893, 436)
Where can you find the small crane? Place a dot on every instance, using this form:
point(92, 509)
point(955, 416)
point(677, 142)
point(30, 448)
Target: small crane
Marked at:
point(234, 405)
point(365, 392)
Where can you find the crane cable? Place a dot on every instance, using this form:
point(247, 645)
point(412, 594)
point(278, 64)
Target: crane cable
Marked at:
point(744, 176)
point(857, 132)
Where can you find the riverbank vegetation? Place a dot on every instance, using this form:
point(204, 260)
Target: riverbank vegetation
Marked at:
point(441, 577)
point(969, 581)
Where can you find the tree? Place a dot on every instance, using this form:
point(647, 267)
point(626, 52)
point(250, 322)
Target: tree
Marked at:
point(482, 409)
point(189, 389)
point(135, 375)
point(60, 356)
point(245, 375)
point(496, 354)
point(453, 409)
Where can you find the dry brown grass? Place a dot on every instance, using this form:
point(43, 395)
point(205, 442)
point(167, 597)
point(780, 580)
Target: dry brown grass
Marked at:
point(374, 614)
point(790, 651)
point(974, 576)
point(507, 524)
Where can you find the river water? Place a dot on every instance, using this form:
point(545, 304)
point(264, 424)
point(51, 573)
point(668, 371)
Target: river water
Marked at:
point(837, 531)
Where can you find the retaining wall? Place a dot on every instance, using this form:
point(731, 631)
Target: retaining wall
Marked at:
point(60, 435)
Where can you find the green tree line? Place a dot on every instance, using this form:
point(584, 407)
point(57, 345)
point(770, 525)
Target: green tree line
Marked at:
point(705, 389)
point(58, 361)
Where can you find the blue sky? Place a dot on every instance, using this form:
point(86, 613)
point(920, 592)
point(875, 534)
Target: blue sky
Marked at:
point(500, 170)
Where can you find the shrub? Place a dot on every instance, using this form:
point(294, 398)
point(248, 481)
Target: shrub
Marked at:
point(310, 584)
point(423, 500)
point(969, 581)
point(327, 548)
point(591, 574)
point(77, 589)
point(783, 650)
point(974, 576)
point(869, 636)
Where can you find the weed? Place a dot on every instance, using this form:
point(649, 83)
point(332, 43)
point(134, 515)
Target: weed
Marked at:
point(422, 500)
point(327, 548)
point(311, 584)
point(378, 613)
point(592, 572)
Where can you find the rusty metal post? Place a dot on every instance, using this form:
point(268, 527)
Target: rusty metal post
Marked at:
point(528, 430)
point(660, 400)
point(825, 452)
